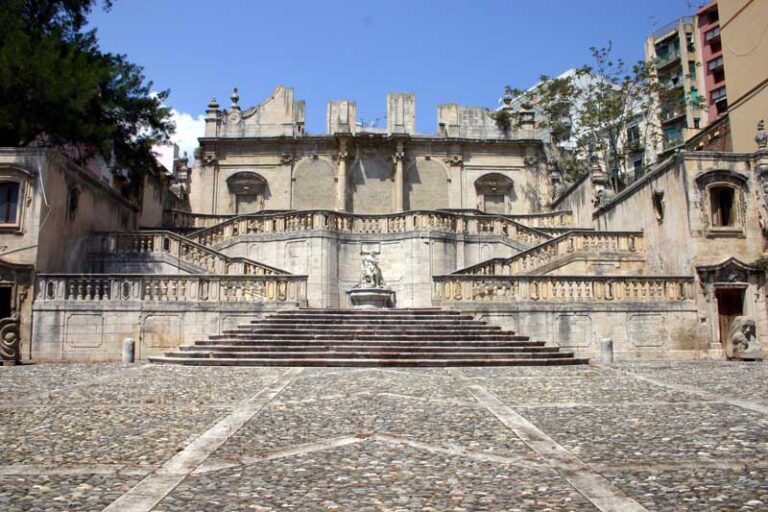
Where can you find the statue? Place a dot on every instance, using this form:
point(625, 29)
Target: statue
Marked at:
point(370, 292)
point(371, 273)
point(742, 341)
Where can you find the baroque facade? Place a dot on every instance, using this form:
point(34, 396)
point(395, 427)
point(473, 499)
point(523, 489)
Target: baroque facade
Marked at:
point(472, 218)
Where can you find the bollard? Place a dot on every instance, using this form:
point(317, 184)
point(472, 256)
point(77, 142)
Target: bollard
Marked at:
point(129, 350)
point(606, 350)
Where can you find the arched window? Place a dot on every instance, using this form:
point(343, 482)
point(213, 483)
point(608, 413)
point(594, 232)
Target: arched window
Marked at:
point(9, 202)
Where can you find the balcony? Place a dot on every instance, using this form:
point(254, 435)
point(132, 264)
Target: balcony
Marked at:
point(663, 61)
point(671, 114)
point(673, 141)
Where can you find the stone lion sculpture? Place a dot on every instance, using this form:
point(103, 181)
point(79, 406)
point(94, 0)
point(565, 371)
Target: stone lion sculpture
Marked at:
point(742, 340)
point(371, 273)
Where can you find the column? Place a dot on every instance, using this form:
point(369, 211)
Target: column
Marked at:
point(341, 177)
point(398, 181)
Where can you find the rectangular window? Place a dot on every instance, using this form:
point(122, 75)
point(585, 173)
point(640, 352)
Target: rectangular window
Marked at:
point(9, 202)
point(721, 199)
point(692, 69)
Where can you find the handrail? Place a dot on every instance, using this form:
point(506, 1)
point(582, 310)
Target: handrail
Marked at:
point(454, 288)
point(342, 222)
point(170, 288)
point(180, 247)
point(562, 245)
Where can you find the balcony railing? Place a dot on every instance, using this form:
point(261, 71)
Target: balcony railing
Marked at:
point(673, 141)
point(664, 60)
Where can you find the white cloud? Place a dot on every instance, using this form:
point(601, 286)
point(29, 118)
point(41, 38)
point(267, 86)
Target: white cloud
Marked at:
point(188, 129)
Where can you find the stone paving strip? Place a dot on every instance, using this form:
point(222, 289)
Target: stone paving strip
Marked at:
point(738, 402)
point(598, 490)
point(150, 491)
point(81, 469)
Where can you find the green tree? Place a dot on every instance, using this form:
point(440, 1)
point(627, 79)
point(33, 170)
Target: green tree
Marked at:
point(607, 110)
point(57, 88)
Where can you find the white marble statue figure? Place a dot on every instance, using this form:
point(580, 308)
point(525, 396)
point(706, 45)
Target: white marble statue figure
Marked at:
point(371, 273)
point(742, 342)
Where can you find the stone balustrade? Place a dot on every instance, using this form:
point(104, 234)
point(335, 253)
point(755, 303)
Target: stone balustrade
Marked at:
point(558, 219)
point(468, 288)
point(170, 288)
point(340, 222)
point(184, 250)
point(573, 242)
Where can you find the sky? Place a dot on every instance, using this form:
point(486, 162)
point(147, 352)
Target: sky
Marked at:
point(444, 51)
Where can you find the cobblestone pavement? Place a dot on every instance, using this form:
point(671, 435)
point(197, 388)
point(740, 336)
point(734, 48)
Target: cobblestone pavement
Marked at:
point(669, 436)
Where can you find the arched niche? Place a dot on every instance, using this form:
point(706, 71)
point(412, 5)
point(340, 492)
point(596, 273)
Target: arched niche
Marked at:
point(495, 192)
point(248, 190)
point(314, 186)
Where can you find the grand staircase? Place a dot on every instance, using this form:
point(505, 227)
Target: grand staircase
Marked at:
point(342, 337)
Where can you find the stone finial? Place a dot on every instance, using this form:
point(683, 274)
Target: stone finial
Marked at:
point(235, 97)
point(213, 104)
point(761, 137)
point(507, 100)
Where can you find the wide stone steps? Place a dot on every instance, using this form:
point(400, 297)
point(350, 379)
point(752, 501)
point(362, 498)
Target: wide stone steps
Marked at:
point(399, 337)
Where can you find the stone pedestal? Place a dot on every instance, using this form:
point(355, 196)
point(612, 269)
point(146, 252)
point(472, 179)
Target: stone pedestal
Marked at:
point(371, 298)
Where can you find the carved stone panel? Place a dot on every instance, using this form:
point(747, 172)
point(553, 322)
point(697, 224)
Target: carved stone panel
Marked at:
point(161, 331)
point(84, 330)
point(647, 330)
point(572, 330)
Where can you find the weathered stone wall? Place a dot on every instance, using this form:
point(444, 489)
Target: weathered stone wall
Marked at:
point(303, 174)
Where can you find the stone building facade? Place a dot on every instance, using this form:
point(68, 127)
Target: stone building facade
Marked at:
point(472, 218)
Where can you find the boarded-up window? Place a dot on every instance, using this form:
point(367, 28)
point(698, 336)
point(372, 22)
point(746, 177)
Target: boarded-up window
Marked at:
point(494, 203)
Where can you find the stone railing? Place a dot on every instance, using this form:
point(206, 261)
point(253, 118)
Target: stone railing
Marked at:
point(184, 250)
point(454, 288)
point(181, 219)
point(558, 219)
point(340, 222)
point(170, 288)
point(571, 243)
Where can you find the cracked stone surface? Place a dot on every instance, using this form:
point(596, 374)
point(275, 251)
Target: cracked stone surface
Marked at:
point(79, 436)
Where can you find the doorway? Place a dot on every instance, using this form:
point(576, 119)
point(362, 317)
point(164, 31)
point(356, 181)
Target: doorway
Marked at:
point(730, 304)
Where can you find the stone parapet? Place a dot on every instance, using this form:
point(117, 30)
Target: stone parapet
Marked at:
point(451, 289)
point(69, 288)
point(168, 246)
point(565, 246)
point(326, 220)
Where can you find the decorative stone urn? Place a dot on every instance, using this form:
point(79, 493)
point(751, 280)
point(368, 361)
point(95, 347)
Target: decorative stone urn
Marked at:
point(371, 292)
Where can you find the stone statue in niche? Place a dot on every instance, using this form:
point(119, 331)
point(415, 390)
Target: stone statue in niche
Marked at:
point(371, 273)
point(742, 340)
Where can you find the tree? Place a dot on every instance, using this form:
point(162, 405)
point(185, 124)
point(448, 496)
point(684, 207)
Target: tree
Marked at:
point(57, 88)
point(606, 110)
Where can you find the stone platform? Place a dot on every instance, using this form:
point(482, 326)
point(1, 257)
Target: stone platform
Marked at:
point(392, 337)
point(664, 436)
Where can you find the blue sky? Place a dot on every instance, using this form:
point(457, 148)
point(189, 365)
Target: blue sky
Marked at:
point(445, 51)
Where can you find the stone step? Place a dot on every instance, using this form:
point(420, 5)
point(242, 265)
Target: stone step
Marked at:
point(364, 323)
point(353, 343)
point(343, 337)
point(375, 354)
point(341, 329)
point(363, 335)
point(315, 347)
point(349, 362)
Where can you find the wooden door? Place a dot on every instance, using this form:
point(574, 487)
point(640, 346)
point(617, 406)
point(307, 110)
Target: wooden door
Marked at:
point(730, 304)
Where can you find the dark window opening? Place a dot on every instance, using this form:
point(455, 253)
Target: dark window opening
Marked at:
point(6, 306)
point(722, 199)
point(9, 202)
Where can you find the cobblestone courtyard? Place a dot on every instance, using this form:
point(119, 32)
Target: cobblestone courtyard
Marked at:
point(645, 436)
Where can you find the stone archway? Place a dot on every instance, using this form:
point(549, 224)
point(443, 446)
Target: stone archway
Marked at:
point(495, 192)
point(248, 190)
